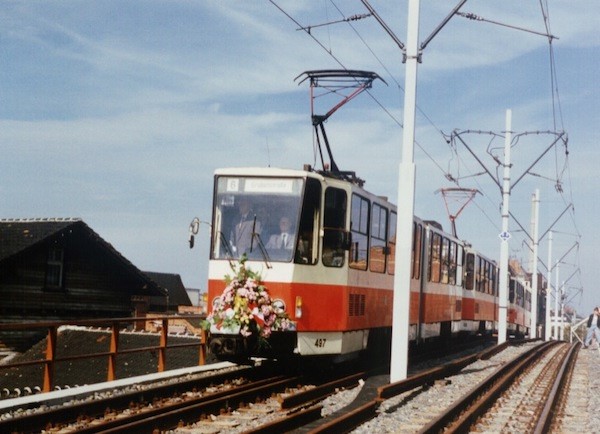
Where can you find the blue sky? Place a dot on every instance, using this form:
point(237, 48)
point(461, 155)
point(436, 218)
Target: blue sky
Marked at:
point(118, 112)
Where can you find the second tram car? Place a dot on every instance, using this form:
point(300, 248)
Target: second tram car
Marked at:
point(333, 273)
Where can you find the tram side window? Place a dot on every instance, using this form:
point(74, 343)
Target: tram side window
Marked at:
point(309, 221)
point(470, 271)
point(378, 239)
point(416, 250)
point(511, 291)
point(482, 273)
point(392, 242)
point(435, 258)
point(460, 260)
point(494, 280)
point(452, 263)
point(359, 225)
point(485, 282)
point(334, 227)
point(520, 291)
point(445, 260)
point(478, 282)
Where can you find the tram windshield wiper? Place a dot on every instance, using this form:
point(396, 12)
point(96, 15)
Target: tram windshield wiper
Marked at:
point(226, 246)
point(262, 249)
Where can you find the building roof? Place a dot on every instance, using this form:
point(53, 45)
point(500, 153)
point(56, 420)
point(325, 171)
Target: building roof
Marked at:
point(19, 235)
point(173, 285)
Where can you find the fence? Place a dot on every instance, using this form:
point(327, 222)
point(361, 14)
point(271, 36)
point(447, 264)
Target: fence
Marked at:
point(114, 326)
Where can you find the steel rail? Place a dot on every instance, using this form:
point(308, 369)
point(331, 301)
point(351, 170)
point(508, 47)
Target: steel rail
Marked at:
point(291, 421)
point(463, 413)
point(36, 422)
point(431, 375)
point(359, 415)
point(171, 415)
point(320, 392)
point(349, 420)
point(557, 392)
point(304, 416)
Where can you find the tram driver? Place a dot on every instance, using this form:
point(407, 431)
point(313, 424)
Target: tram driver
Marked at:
point(242, 238)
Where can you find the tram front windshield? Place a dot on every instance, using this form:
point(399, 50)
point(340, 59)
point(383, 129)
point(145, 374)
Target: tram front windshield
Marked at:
point(257, 217)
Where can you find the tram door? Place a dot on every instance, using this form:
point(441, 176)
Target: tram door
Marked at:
point(335, 235)
point(308, 235)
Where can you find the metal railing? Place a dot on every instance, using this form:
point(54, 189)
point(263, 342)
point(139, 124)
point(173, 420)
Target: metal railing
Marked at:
point(112, 325)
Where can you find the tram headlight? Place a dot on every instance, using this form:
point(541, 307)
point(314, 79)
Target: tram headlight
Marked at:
point(278, 305)
point(298, 310)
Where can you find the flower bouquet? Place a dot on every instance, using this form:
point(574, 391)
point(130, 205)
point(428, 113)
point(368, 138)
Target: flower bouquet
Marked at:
point(245, 307)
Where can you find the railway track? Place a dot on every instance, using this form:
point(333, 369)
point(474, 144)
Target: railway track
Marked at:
point(58, 415)
point(275, 404)
point(518, 397)
point(509, 393)
point(364, 403)
point(237, 400)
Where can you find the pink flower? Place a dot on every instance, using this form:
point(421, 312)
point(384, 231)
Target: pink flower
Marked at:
point(246, 303)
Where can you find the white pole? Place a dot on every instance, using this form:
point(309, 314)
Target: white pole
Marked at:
point(503, 289)
point(534, 269)
point(556, 296)
point(560, 311)
point(406, 204)
point(549, 288)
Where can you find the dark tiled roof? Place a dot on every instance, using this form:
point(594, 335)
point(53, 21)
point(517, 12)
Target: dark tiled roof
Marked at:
point(173, 284)
point(18, 235)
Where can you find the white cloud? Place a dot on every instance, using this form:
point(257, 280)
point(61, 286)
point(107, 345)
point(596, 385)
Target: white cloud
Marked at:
point(120, 114)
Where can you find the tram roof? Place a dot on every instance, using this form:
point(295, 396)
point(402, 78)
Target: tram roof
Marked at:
point(264, 171)
point(300, 173)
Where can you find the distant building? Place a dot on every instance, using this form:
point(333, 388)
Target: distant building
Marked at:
point(195, 295)
point(175, 294)
point(60, 269)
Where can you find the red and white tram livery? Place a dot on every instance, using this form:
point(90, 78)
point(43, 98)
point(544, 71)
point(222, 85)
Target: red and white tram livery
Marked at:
point(333, 274)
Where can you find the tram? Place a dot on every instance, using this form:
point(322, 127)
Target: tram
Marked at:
point(332, 272)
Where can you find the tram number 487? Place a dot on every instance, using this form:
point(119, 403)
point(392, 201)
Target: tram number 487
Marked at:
point(320, 343)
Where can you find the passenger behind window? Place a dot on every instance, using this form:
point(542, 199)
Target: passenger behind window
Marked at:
point(285, 239)
point(304, 249)
point(333, 253)
point(241, 235)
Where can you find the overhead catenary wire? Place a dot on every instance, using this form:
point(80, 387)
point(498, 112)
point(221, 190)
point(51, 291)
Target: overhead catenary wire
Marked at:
point(339, 62)
point(560, 173)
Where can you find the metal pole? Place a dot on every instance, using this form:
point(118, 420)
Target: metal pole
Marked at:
point(549, 288)
point(534, 269)
point(556, 295)
point(406, 204)
point(503, 290)
point(560, 311)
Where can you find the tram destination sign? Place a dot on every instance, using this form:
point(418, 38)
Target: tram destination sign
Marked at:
point(261, 185)
point(266, 185)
